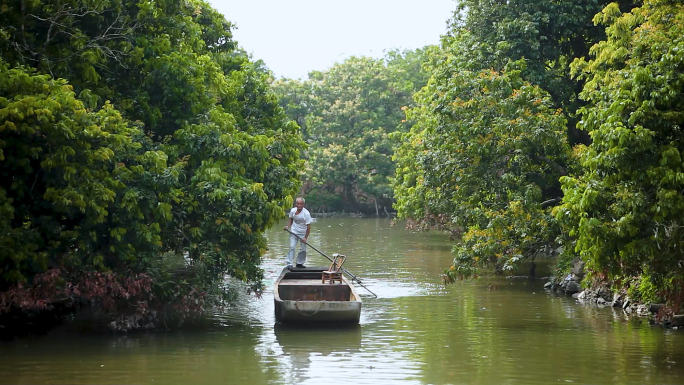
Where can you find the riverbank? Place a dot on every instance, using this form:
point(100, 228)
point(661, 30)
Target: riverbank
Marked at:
point(605, 296)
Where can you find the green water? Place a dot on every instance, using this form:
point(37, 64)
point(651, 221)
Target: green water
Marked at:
point(486, 331)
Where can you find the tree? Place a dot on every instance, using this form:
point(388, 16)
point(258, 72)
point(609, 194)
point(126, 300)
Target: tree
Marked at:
point(211, 163)
point(547, 34)
point(509, 220)
point(58, 171)
point(484, 156)
point(347, 115)
point(624, 208)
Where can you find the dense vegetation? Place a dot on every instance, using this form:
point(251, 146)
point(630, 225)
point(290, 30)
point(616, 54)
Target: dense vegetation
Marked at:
point(624, 208)
point(348, 115)
point(555, 127)
point(142, 155)
point(496, 123)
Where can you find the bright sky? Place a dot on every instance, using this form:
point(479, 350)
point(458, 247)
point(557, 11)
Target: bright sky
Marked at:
point(294, 37)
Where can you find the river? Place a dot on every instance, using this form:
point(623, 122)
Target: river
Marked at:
point(490, 330)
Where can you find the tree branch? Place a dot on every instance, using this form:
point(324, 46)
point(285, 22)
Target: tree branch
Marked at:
point(553, 164)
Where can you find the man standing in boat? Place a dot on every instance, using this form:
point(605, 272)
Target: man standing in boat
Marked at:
point(299, 227)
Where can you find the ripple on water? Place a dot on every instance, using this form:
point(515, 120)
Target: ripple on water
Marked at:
point(485, 331)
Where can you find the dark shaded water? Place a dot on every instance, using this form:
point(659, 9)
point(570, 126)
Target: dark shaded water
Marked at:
point(487, 331)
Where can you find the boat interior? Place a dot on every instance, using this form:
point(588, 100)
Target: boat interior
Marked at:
point(307, 286)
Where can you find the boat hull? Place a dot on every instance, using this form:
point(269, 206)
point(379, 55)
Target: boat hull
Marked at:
point(301, 297)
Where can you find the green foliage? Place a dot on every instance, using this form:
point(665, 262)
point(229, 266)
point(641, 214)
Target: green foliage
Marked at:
point(484, 156)
point(487, 151)
point(624, 209)
point(347, 115)
point(547, 34)
point(57, 172)
point(175, 144)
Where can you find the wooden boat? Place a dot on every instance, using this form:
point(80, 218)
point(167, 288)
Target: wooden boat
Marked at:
point(300, 296)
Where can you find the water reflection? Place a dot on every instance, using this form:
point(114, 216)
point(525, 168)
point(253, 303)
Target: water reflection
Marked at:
point(302, 345)
point(486, 331)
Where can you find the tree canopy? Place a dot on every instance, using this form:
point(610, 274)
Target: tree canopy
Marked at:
point(624, 207)
point(348, 114)
point(136, 139)
point(484, 156)
point(488, 155)
point(143, 154)
point(493, 130)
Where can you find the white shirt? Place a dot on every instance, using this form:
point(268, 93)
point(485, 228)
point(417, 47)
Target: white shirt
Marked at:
point(300, 221)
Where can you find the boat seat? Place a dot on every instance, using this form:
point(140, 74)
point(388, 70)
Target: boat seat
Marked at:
point(334, 272)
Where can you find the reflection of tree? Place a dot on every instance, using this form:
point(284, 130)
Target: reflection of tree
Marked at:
point(188, 357)
point(519, 334)
point(376, 247)
point(465, 333)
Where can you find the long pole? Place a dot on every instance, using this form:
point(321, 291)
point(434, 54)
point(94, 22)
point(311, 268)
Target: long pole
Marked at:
point(353, 277)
